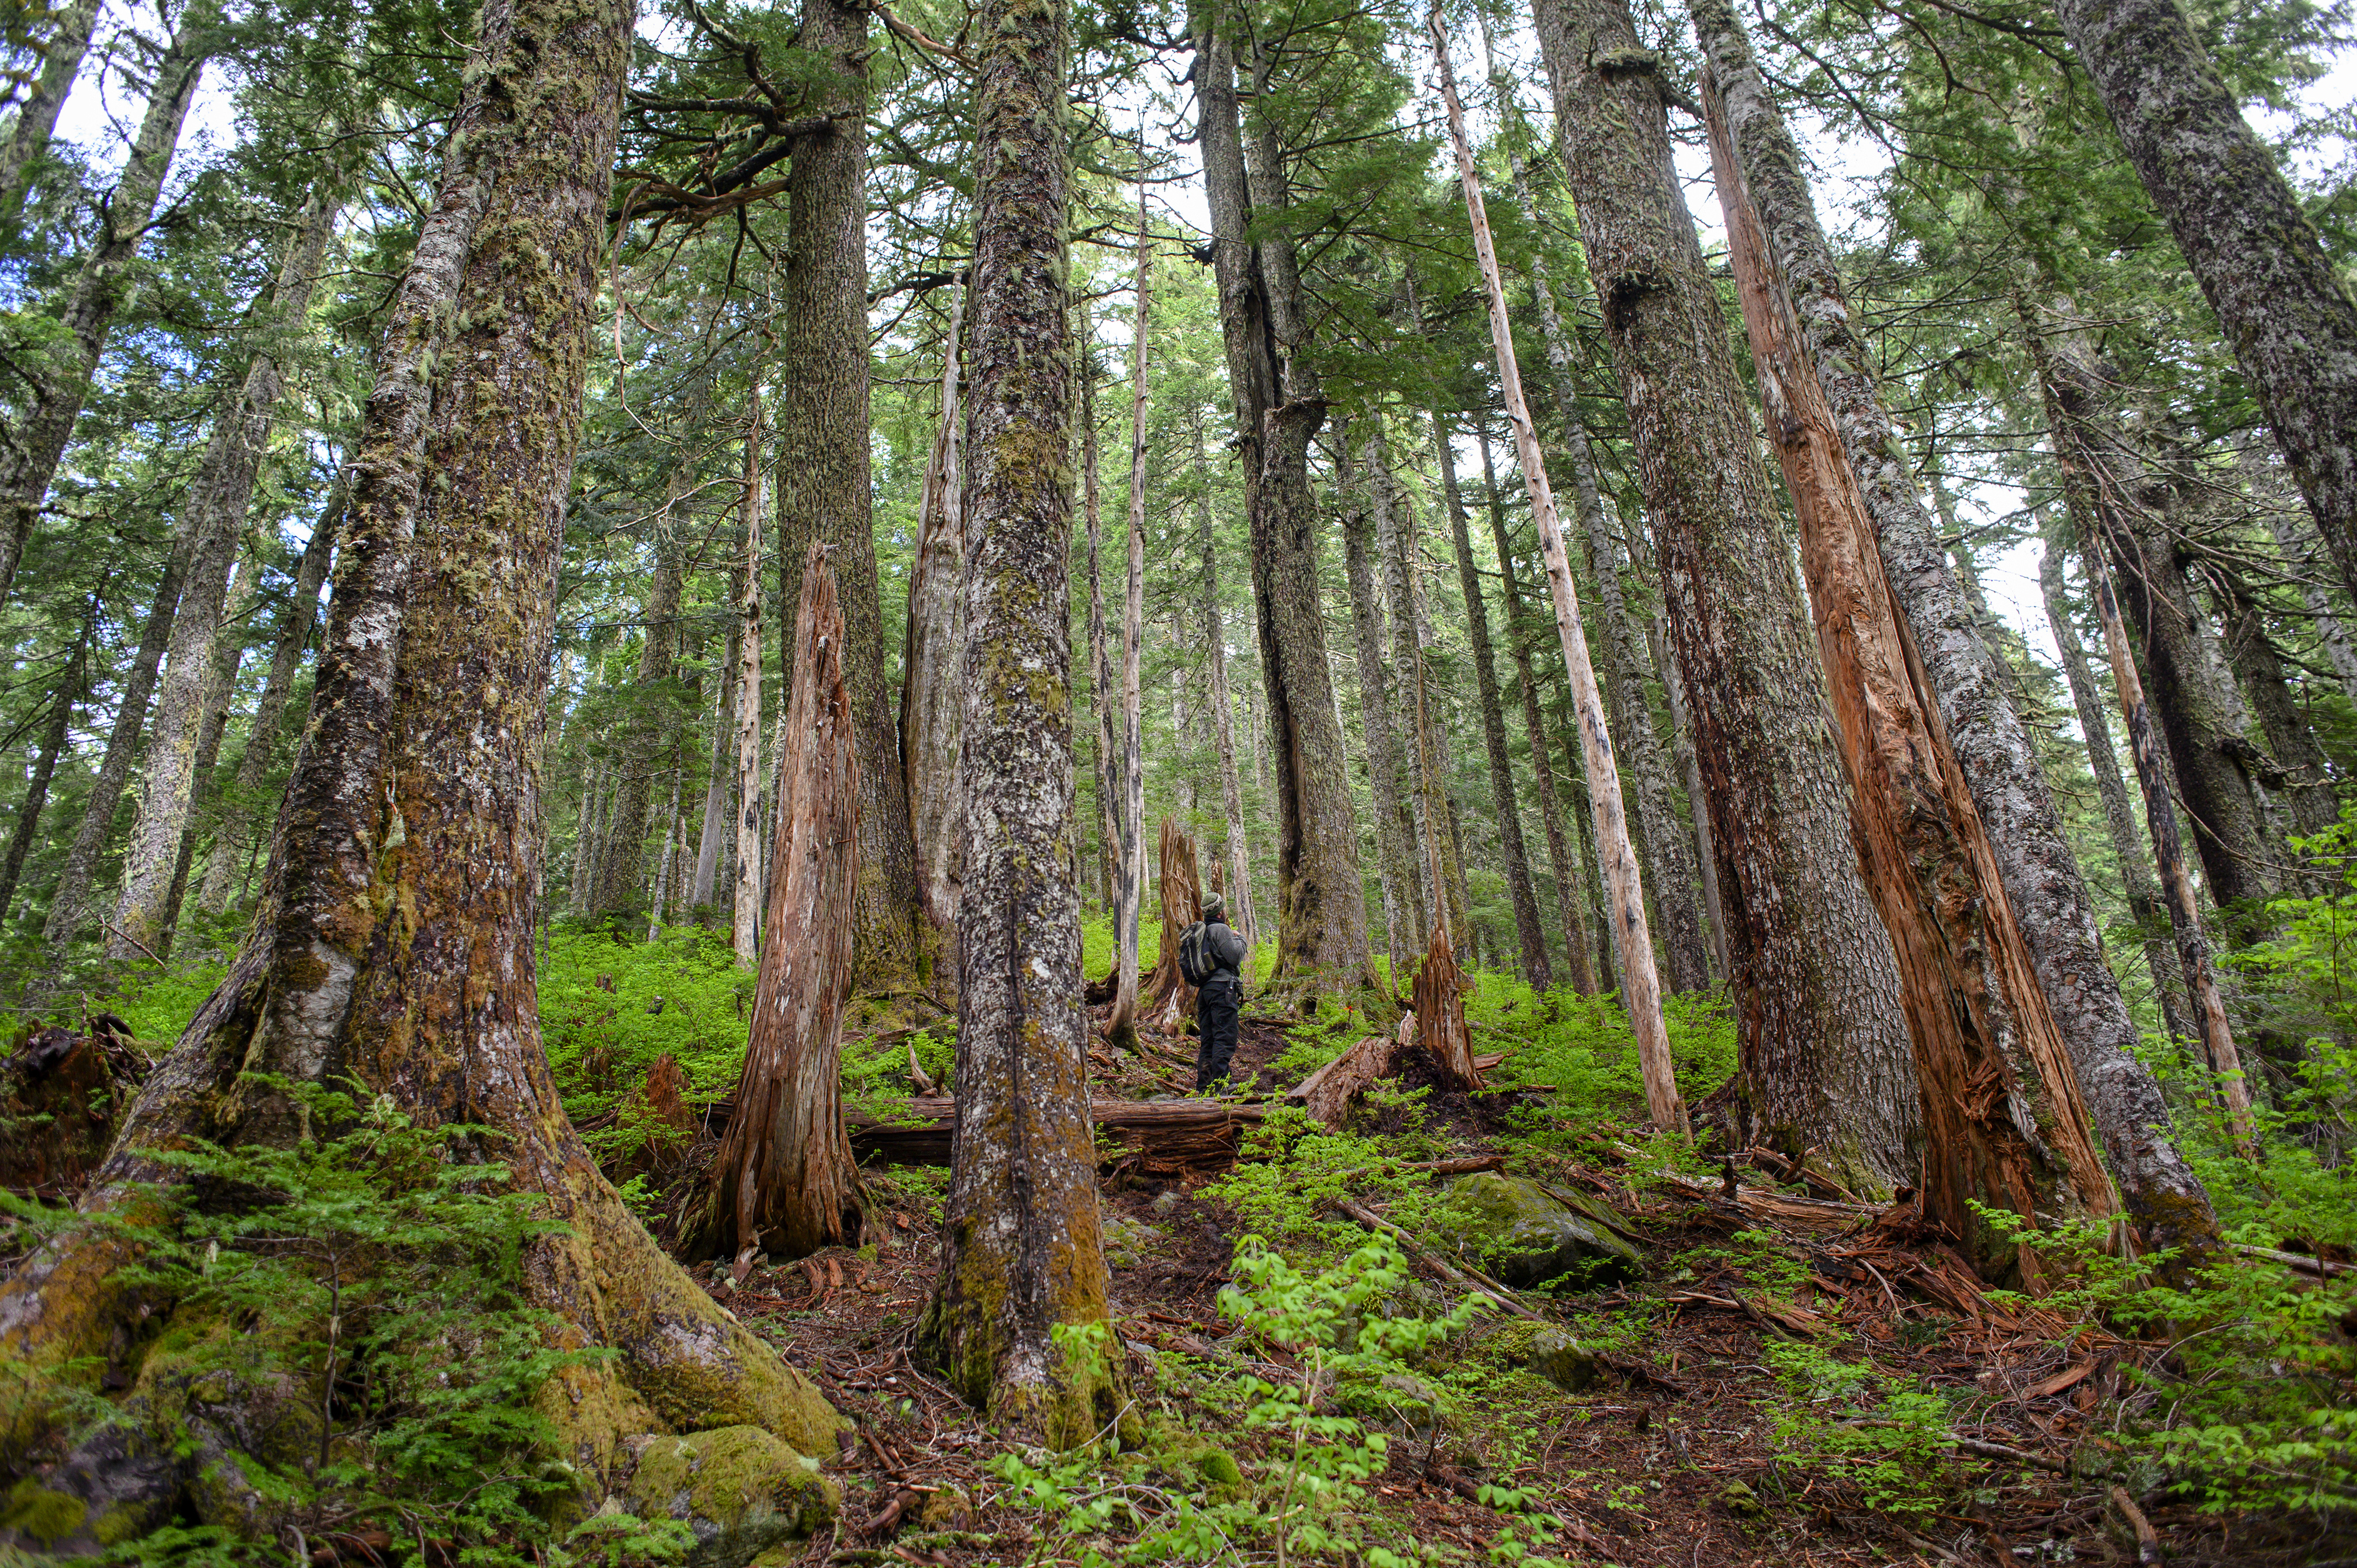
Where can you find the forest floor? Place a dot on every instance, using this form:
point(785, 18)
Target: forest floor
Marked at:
point(1673, 1457)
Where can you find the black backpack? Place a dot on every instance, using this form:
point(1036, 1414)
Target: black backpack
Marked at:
point(1194, 955)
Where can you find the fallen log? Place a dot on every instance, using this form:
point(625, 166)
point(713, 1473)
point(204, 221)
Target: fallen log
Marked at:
point(1157, 1137)
point(1326, 1093)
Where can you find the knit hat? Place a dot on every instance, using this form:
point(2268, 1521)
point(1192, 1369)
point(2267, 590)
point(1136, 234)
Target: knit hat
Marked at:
point(1215, 908)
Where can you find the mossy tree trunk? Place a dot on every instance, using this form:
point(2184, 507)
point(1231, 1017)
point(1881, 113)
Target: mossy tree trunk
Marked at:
point(745, 906)
point(1825, 1058)
point(394, 947)
point(823, 490)
point(1022, 1243)
point(73, 685)
point(929, 703)
point(71, 24)
point(1386, 773)
point(712, 843)
point(1321, 903)
point(2285, 306)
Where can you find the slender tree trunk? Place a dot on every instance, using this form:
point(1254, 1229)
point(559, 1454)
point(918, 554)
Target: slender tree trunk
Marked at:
point(1022, 1249)
point(2083, 479)
point(1129, 884)
point(221, 684)
point(653, 715)
point(1524, 897)
point(58, 378)
point(1991, 746)
point(1578, 957)
point(667, 861)
point(2299, 563)
point(712, 843)
point(1240, 900)
point(2004, 1122)
point(243, 819)
point(70, 903)
point(744, 923)
point(931, 703)
point(72, 687)
point(217, 503)
point(37, 114)
point(1640, 988)
point(2258, 257)
point(1815, 987)
point(2306, 789)
point(1322, 915)
point(2128, 847)
point(1394, 823)
point(394, 947)
point(823, 431)
point(1439, 868)
point(1681, 749)
point(783, 1180)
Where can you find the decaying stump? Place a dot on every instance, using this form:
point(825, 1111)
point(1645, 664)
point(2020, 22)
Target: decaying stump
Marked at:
point(666, 1125)
point(1168, 998)
point(1439, 1016)
point(60, 1096)
point(784, 1180)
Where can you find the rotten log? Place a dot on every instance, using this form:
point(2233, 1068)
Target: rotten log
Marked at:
point(1155, 1137)
point(784, 1181)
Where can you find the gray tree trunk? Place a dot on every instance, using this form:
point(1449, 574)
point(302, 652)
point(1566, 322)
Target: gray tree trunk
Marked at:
point(71, 687)
point(36, 112)
point(653, 719)
point(711, 844)
point(1244, 917)
point(1386, 775)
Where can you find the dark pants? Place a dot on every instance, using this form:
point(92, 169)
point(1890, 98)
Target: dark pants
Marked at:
point(1215, 1028)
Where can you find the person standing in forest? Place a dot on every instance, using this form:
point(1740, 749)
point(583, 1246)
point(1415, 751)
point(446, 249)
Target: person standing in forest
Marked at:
point(1211, 959)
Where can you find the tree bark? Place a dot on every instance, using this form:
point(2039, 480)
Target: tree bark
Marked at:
point(1520, 892)
point(744, 912)
point(783, 1180)
point(1022, 1247)
point(37, 112)
point(1579, 959)
point(1439, 866)
point(2127, 848)
point(245, 812)
point(1991, 746)
point(1640, 987)
point(823, 490)
point(935, 653)
point(2306, 790)
point(667, 859)
point(2086, 492)
point(217, 503)
point(718, 834)
point(2004, 1124)
point(2258, 258)
point(653, 716)
point(1240, 899)
point(2331, 632)
point(72, 687)
point(1395, 822)
point(221, 684)
point(1815, 987)
point(395, 946)
point(59, 378)
point(1321, 904)
point(70, 903)
point(1129, 875)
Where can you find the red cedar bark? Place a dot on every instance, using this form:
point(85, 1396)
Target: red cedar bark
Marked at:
point(1165, 996)
point(2004, 1122)
point(1641, 989)
point(395, 944)
point(783, 1180)
point(1022, 1243)
point(1814, 985)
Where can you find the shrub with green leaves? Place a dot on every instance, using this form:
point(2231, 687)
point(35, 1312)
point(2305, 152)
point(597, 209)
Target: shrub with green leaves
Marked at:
point(1891, 1437)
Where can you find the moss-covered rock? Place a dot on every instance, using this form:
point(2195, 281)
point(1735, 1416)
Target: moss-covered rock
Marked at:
point(737, 1489)
point(1223, 1477)
point(1527, 1236)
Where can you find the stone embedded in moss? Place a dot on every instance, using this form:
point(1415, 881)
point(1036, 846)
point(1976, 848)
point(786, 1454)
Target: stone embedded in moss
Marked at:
point(739, 1489)
point(1222, 1475)
point(1527, 1236)
point(1561, 1360)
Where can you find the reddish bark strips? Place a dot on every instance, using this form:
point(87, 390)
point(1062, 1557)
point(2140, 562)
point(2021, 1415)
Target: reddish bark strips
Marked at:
point(1990, 745)
point(2258, 258)
point(2004, 1123)
point(1641, 990)
point(1168, 998)
point(395, 942)
point(783, 1181)
point(1022, 1245)
point(1321, 903)
point(824, 489)
point(1823, 1042)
